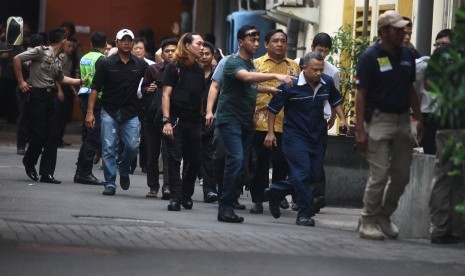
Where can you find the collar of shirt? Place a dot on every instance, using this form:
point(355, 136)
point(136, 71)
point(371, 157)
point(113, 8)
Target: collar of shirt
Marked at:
point(116, 58)
point(379, 48)
point(302, 81)
point(267, 57)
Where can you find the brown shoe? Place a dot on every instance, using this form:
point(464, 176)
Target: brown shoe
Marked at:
point(151, 194)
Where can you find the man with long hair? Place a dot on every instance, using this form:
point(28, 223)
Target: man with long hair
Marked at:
point(183, 86)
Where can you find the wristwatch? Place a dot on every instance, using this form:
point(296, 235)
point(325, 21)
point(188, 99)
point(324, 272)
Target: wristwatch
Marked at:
point(165, 120)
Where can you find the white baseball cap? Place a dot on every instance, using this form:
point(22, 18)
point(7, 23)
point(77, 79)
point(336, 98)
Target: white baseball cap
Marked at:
point(123, 33)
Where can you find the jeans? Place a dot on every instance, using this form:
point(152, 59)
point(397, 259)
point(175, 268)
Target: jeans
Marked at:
point(218, 160)
point(237, 141)
point(128, 132)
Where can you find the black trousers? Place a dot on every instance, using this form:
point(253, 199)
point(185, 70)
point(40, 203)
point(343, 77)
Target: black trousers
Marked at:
point(263, 158)
point(66, 110)
point(429, 139)
point(90, 137)
point(42, 110)
point(8, 107)
point(153, 143)
point(22, 130)
point(187, 146)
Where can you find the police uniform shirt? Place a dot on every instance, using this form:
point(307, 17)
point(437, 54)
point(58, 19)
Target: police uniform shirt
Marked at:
point(387, 79)
point(45, 67)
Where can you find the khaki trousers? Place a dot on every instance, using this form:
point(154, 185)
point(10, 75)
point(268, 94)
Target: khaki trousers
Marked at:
point(441, 203)
point(389, 155)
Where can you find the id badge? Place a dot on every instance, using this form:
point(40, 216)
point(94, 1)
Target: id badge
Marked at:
point(384, 64)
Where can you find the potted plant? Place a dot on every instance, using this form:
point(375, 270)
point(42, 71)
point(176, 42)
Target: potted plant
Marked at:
point(447, 80)
point(349, 48)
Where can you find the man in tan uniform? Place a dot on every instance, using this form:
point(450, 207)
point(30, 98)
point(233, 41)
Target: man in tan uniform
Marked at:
point(42, 104)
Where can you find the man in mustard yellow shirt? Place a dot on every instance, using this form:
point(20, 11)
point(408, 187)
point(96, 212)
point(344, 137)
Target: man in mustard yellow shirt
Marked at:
point(274, 61)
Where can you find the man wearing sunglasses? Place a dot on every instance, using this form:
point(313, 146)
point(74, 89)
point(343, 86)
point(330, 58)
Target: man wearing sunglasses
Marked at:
point(235, 111)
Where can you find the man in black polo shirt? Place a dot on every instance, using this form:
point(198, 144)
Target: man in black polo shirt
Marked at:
point(118, 78)
point(385, 92)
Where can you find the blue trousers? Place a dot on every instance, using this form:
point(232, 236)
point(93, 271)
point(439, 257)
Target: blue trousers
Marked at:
point(305, 161)
point(237, 140)
point(128, 132)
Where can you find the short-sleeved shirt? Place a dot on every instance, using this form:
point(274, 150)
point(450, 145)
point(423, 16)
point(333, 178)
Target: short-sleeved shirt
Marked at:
point(45, 66)
point(218, 74)
point(333, 72)
point(119, 82)
point(236, 102)
point(387, 79)
point(303, 107)
point(265, 64)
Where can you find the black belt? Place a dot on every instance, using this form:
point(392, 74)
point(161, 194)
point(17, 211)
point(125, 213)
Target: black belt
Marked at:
point(48, 89)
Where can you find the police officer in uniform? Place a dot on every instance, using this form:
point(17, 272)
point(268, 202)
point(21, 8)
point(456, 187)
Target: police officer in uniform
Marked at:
point(42, 104)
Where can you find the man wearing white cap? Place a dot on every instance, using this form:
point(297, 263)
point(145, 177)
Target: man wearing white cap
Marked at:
point(118, 78)
point(385, 94)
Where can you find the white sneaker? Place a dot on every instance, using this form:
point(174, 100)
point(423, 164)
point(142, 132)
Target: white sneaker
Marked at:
point(389, 229)
point(370, 231)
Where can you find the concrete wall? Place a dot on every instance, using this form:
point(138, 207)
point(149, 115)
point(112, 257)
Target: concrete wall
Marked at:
point(412, 214)
point(346, 176)
point(346, 172)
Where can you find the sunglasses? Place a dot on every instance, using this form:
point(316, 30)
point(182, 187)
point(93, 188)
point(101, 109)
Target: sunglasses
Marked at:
point(439, 44)
point(251, 34)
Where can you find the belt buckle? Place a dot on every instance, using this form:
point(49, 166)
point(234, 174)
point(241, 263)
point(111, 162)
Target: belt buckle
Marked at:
point(49, 89)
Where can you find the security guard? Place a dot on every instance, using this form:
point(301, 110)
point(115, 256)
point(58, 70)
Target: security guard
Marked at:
point(302, 126)
point(42, 104)
point(90, 137)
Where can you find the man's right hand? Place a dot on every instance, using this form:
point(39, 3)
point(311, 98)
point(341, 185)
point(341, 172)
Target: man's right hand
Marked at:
point(270, 141)
point(209, 119)
point(24, 86)
point(287, 79)
point(151, 88)
point(90, 120)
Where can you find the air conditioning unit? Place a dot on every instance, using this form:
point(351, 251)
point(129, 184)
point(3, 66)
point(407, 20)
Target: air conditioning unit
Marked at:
point(270, 4)
point(302, 10)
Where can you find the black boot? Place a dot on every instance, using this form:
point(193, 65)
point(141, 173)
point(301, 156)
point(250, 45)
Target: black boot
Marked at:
point(85, 176)
point(257, 208)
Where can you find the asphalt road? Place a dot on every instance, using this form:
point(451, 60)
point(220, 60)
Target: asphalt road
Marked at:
point(71, 229)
